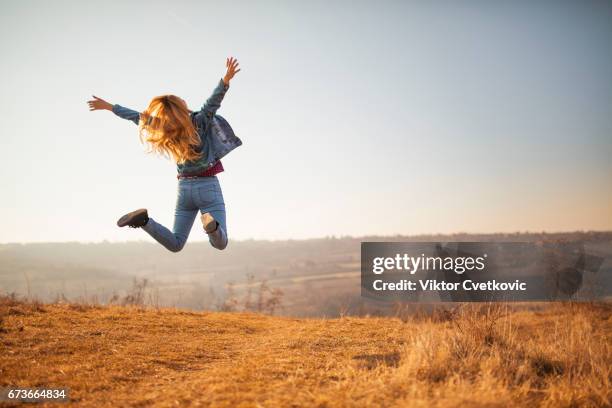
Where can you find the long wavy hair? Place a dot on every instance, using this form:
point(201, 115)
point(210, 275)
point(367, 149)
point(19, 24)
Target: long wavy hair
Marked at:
point(167, 129)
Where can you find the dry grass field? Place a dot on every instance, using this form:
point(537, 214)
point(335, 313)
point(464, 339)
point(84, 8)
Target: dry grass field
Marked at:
point(476, 355)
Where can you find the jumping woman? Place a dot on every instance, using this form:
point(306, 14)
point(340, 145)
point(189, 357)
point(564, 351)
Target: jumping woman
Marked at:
point(196, 141)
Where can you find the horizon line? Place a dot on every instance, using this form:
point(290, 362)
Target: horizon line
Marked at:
point(142, 241)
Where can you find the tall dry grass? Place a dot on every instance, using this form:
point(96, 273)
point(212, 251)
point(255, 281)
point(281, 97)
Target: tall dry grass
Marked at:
point(492, 355)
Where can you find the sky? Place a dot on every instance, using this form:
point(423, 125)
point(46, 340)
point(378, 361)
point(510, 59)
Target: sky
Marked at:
point(357, 117)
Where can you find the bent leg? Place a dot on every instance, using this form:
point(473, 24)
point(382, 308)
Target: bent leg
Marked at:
point(173, 241)
point(184, 215)
point(218, 238)
point(183, 221)
point(209, 199)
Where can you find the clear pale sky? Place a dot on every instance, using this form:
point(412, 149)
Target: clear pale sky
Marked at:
point(357, 117)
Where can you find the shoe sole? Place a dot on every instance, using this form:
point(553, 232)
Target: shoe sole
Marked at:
point(209, 223)
point(125, 220)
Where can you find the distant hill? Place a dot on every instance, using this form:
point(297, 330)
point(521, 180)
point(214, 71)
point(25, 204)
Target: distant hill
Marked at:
point(317, 277)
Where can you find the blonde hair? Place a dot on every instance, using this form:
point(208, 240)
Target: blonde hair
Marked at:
point(167, 128)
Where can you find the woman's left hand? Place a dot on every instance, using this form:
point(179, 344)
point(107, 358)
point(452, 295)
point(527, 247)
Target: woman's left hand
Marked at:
point(232, 64)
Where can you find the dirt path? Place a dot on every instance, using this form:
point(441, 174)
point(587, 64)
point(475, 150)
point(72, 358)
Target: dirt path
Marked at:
point(124, 356)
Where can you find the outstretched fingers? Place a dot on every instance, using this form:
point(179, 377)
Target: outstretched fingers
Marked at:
point(231, 64)
point(97, 103)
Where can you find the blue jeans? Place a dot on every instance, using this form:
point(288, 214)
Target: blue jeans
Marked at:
point(199, 194)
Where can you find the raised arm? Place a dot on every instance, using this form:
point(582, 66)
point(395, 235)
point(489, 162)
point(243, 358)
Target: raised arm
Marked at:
point(121, 111)
point(214, 102)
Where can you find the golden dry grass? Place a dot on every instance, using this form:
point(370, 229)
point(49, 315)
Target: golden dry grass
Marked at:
point(477, 356)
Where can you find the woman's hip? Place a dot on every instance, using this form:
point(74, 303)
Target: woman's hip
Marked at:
point(203, 193)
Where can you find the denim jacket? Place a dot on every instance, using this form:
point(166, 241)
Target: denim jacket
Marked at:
point(216, 135)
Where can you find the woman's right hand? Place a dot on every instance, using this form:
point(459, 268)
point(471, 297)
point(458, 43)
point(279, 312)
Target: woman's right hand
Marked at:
point(99, 104)
point(232, 69)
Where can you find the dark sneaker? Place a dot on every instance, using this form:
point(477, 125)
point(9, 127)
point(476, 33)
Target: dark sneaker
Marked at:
point(209, 223)
point(135, 219)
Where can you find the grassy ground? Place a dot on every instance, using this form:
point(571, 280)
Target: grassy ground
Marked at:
point(475, 356)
